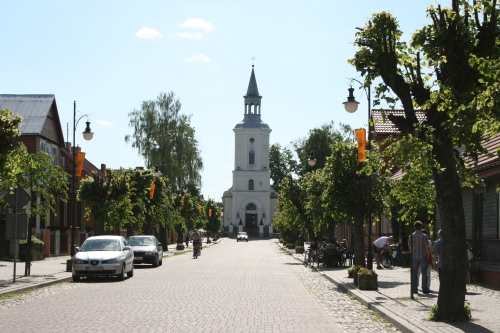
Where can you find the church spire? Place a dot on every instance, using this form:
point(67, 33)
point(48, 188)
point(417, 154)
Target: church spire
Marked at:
point(252, 98)
point(252, 85)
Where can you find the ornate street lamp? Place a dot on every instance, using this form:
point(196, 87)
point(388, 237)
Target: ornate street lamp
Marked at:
point(87, 135)
point(311, 161)
point(351, 106)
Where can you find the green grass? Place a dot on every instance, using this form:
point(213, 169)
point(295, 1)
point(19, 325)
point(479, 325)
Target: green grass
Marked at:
point(351, 295)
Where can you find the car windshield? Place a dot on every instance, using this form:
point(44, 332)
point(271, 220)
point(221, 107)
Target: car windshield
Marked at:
point(100, 245)
point(242, 233)
point(141, 241)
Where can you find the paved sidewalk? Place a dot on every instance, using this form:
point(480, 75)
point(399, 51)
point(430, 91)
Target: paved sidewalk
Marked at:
point(392, 300)
point(52, 270)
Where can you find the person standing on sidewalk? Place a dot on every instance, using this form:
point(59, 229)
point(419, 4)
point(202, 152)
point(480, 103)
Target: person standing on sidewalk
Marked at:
point(420, 252)
point(429, 267)
point(383, 242)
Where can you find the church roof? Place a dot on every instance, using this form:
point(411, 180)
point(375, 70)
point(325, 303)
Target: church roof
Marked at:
point(252, 86)
point(252, 121)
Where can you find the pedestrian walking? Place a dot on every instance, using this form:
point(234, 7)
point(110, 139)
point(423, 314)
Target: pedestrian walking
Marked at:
point(420, 252)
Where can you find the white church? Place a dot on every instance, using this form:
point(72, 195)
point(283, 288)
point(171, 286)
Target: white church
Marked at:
point(250, 204)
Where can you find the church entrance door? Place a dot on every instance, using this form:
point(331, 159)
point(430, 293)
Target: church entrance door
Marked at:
point(251, 221)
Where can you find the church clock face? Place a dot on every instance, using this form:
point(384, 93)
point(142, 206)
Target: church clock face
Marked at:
point(252, 140)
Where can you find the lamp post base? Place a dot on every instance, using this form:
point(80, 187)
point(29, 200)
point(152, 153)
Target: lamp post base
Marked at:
point(369, 260)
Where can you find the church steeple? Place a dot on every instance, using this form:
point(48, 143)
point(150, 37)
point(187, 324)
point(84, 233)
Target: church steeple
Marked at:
point(252, 98)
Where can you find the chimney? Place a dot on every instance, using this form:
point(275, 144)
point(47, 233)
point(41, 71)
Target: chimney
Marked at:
point(103, 167)
point(68, 146)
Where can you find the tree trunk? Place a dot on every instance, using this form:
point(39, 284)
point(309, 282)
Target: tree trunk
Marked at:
point(99, 226)
point(163, 238)
point(451, 299)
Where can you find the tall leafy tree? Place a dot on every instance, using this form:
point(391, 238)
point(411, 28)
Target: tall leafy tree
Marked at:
point(318, 142)
point(9, 129)
point(449, 70)
point(281, 163)
point(164, 137)
point(348, 190)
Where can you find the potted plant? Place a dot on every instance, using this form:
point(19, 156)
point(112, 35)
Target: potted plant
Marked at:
point(367, 279)
point(180, 247)
point(290, 246)
point(299, 249)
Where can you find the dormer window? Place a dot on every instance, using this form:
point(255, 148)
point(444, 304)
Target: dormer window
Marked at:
point(251, 157)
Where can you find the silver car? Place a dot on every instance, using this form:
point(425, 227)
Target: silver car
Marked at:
point(103, 256)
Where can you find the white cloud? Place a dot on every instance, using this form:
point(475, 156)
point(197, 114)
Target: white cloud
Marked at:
point(190, 35)
point(197, 24)
point(148, 33)
point(105, 123)
point(199, 57)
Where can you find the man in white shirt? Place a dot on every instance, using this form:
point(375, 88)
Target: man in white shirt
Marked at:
point(383, 242)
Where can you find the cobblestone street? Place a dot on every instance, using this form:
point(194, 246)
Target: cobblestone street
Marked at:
point(232, 287)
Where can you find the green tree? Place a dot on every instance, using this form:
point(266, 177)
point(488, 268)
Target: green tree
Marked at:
point(164, 137)
point(213, 214)
point(9, 129)
point(9, 159)
point(449, 70)
point(318, 142)
point(281, 163)
point(348, 190)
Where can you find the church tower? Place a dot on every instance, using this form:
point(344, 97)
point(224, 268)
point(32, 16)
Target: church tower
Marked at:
point(250, 203)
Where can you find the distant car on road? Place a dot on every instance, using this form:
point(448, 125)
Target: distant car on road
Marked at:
point(103, 256)
point(147, 250)
point(242, 236)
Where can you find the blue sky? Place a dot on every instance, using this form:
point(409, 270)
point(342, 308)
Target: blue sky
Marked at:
point(109, 56)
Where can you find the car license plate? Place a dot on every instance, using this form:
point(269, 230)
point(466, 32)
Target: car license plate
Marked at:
point(95, 268)
point(137, 258)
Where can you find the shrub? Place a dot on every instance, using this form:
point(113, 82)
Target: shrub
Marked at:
point(299, 249)
point(365, 271)
point(180, 246)
point(290, 246)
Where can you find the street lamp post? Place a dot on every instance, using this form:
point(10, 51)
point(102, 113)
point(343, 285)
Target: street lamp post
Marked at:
point(87, 135)
point(351, 106)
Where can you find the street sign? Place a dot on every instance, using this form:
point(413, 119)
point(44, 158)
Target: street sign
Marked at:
point(10, 226)
point(20, 196)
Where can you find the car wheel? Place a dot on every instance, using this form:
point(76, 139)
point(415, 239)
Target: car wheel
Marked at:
point(247, 240)
point(131, 273)
point(237, 240)
point(155, 264)
point(121, 277)
point(76, 278)
point(161, 261)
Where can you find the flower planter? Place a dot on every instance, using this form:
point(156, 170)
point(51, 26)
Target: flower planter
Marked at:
point(355, 276)
point(367, 282)
point(350, 274)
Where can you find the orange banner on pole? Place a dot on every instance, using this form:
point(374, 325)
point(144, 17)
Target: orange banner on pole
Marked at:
point(210, 213)
point(152, 191)
point(361, 138)
point(80, 160)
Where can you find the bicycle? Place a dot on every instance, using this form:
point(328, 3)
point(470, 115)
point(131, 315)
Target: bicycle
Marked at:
point(396, 259)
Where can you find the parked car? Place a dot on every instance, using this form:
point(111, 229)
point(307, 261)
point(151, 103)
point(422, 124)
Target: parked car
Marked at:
point(242, 236)
point(103, 256)
point(147, 250)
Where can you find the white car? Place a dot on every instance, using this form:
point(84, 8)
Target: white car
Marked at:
point(103, 256)
point(242, 236)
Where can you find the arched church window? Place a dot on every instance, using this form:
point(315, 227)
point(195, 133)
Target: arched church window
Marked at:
point(250, 185)
point(251, 157)
point(251, 206)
